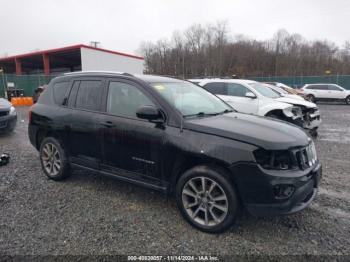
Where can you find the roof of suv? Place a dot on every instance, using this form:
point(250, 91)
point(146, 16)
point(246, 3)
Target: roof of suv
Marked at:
point(146, 78)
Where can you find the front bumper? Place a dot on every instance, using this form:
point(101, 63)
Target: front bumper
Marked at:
point(7, 123)
point(256, 189)
point(312, 121)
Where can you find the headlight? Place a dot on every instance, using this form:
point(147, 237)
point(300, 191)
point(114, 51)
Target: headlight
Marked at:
point(275, 159)
point(293, 112)
point(12, 111)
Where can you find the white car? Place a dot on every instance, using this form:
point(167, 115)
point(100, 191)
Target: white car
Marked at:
point(252, 97)
point(318, 92)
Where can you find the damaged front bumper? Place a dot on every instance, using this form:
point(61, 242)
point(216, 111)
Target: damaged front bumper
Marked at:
point(312, 120)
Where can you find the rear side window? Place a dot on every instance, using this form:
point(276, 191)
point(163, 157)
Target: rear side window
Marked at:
point(318, 87)
point(60, 92)
point(215, 88)
point(234, 89)
point(89, 95)
point(124, 99)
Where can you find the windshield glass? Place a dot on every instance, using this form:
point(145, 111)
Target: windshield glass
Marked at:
point(264, 90)
point(191, 99)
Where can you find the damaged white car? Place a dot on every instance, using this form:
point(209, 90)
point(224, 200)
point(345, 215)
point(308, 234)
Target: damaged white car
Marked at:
point(252, 97)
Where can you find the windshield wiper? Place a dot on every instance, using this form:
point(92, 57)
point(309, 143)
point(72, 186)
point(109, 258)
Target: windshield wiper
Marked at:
point(226, 111)
point(202, 114)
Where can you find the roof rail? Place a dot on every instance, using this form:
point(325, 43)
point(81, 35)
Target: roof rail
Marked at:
point(98, 72)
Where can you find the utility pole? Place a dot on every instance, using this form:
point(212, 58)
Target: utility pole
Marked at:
point(94, 43)
point(3, 82)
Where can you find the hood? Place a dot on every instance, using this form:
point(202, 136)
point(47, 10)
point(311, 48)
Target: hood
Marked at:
point(4, 104)
point(293, 101)
point(259, 131)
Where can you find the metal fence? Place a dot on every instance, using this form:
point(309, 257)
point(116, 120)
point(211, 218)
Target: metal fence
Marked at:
point(297, 81)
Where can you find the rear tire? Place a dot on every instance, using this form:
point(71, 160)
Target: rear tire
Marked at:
point(53, 159)
point(311, 98)
point(347, 100)
point(207, 199)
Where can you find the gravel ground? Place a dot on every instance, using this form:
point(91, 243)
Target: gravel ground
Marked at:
point(87, 214)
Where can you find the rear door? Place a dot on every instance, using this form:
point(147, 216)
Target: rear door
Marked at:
point(321, 91)
point(84, 103)
point(131, 147)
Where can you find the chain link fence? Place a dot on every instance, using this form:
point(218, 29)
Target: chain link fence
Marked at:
point(27, 83)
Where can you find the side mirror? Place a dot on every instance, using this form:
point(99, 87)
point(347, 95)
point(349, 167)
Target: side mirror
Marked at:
point(150, 113)
point(250, 95)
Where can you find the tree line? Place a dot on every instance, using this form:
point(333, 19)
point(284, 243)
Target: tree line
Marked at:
point(211, 51)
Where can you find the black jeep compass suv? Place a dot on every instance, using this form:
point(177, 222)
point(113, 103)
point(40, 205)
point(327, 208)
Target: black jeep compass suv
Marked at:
point(174, 136)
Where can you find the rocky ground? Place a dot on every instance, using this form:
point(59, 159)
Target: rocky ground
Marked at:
point(87, 214)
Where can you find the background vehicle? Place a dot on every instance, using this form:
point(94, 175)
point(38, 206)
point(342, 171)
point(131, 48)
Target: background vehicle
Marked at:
point(290, 90)
point(252, 97)
point(326, 92)
point(174, 136)
point(284, 93)
point(8, 116)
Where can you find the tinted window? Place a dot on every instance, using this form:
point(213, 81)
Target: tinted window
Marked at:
point(89, 95)
point(335, 88)
point(215, 88)
point(124, 99)
point(318, 87)
point(59, 92)
point(234, 89)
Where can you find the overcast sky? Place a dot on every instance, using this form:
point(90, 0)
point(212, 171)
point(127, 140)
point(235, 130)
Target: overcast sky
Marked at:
point(27, 25)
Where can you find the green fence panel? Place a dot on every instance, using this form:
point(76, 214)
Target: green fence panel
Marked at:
point(296, 81)
point(26, 82)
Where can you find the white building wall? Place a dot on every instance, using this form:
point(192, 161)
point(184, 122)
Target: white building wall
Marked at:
point(98, 60)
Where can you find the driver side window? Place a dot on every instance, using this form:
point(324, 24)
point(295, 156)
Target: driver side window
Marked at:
point(124, 99)
point(234, 89)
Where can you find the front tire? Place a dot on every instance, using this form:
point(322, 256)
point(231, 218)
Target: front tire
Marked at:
point(347, 100)
point(207, 199)
point(53, 159)
point(311, 98)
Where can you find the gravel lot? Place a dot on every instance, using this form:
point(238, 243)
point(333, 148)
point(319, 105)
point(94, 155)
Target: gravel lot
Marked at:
point(88, 214)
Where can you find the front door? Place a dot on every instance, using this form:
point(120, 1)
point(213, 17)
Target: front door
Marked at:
point(236, 96)
point(131, 147)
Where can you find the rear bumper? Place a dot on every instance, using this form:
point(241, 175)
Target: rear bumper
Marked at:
point(259, 196)
point(7, 123)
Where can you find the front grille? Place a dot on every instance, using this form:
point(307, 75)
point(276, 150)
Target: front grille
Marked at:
point(306, 156)
point(4, 113)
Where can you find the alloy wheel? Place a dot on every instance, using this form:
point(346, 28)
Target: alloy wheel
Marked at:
point(51, 159)
point(205, 201)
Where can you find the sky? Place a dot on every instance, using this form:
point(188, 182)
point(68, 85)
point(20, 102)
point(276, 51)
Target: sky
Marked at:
point(28, 25)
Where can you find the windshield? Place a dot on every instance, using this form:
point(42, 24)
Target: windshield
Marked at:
point(190, 99)
point(264, 90)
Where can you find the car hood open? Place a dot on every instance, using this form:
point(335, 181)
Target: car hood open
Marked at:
point(260, 131)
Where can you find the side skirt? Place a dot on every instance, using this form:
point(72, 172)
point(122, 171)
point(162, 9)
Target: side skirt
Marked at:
point(163, 189)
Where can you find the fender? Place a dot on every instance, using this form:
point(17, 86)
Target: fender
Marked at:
point(264, 109)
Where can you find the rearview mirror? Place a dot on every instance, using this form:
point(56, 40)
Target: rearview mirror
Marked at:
point(250, 95)
point(150, 113)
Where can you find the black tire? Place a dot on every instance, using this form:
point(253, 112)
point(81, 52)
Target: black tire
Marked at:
point(64, 169)
point(311, 98)
point(347, 100)
point(224, 184)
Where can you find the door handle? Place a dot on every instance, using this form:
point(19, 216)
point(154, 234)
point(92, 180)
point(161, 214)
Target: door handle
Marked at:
point(107, 124)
